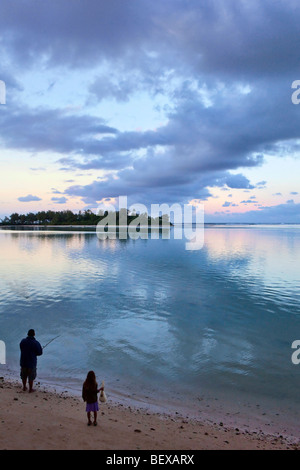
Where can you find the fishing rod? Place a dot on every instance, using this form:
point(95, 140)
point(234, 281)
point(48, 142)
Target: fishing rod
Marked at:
point(51, 341)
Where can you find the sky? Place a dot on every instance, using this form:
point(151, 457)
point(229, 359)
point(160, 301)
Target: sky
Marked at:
point(165, 102)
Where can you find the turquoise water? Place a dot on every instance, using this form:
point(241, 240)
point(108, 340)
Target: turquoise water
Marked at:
point(150, 315)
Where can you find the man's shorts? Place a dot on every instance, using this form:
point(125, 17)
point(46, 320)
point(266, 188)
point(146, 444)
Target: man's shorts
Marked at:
point(28, 373)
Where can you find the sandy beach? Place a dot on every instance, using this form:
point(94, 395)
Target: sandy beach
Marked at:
point(48, 420)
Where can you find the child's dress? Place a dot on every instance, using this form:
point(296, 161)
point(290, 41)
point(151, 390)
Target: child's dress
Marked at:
point(90, 396)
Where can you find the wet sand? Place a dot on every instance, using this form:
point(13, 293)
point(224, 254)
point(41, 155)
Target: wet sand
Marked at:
point(48, 420)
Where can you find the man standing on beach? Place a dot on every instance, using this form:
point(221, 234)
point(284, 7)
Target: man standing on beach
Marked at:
point(30, 349)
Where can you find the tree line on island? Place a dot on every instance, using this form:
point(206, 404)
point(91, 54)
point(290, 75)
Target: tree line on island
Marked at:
point(87, 217)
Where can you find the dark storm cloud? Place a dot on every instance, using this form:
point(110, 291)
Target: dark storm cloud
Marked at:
point(154, 187)
point(225, 66)
point(52, 130)
point(29, 198)
point(199, 146)
point(244, 39)
point(233, 133)
point(223, 137)
point(238, 181)
point(59, 200)
point(72, 33)
point(221, 36)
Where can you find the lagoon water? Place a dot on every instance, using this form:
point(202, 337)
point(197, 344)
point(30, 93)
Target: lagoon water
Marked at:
point(154, 319)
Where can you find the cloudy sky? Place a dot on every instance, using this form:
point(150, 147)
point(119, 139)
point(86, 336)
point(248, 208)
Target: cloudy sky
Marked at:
point(167, 101)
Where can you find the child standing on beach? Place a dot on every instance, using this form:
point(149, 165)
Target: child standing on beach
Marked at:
point(89, 395)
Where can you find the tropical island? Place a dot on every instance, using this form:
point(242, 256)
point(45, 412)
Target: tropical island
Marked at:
point(87, 217)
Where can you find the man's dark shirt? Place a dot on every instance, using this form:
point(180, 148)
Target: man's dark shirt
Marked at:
point(30, 349)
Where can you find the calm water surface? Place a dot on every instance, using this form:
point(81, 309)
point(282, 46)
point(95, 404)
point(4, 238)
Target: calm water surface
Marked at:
point(150, 315)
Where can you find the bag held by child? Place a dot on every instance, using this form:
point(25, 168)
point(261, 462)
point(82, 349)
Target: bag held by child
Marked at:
point(102, 396)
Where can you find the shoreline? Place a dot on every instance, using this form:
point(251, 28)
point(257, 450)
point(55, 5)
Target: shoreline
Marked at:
point(248, 413)
point(57, 420)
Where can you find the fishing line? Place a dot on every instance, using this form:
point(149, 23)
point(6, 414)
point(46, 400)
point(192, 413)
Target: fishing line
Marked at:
point(51, 341)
